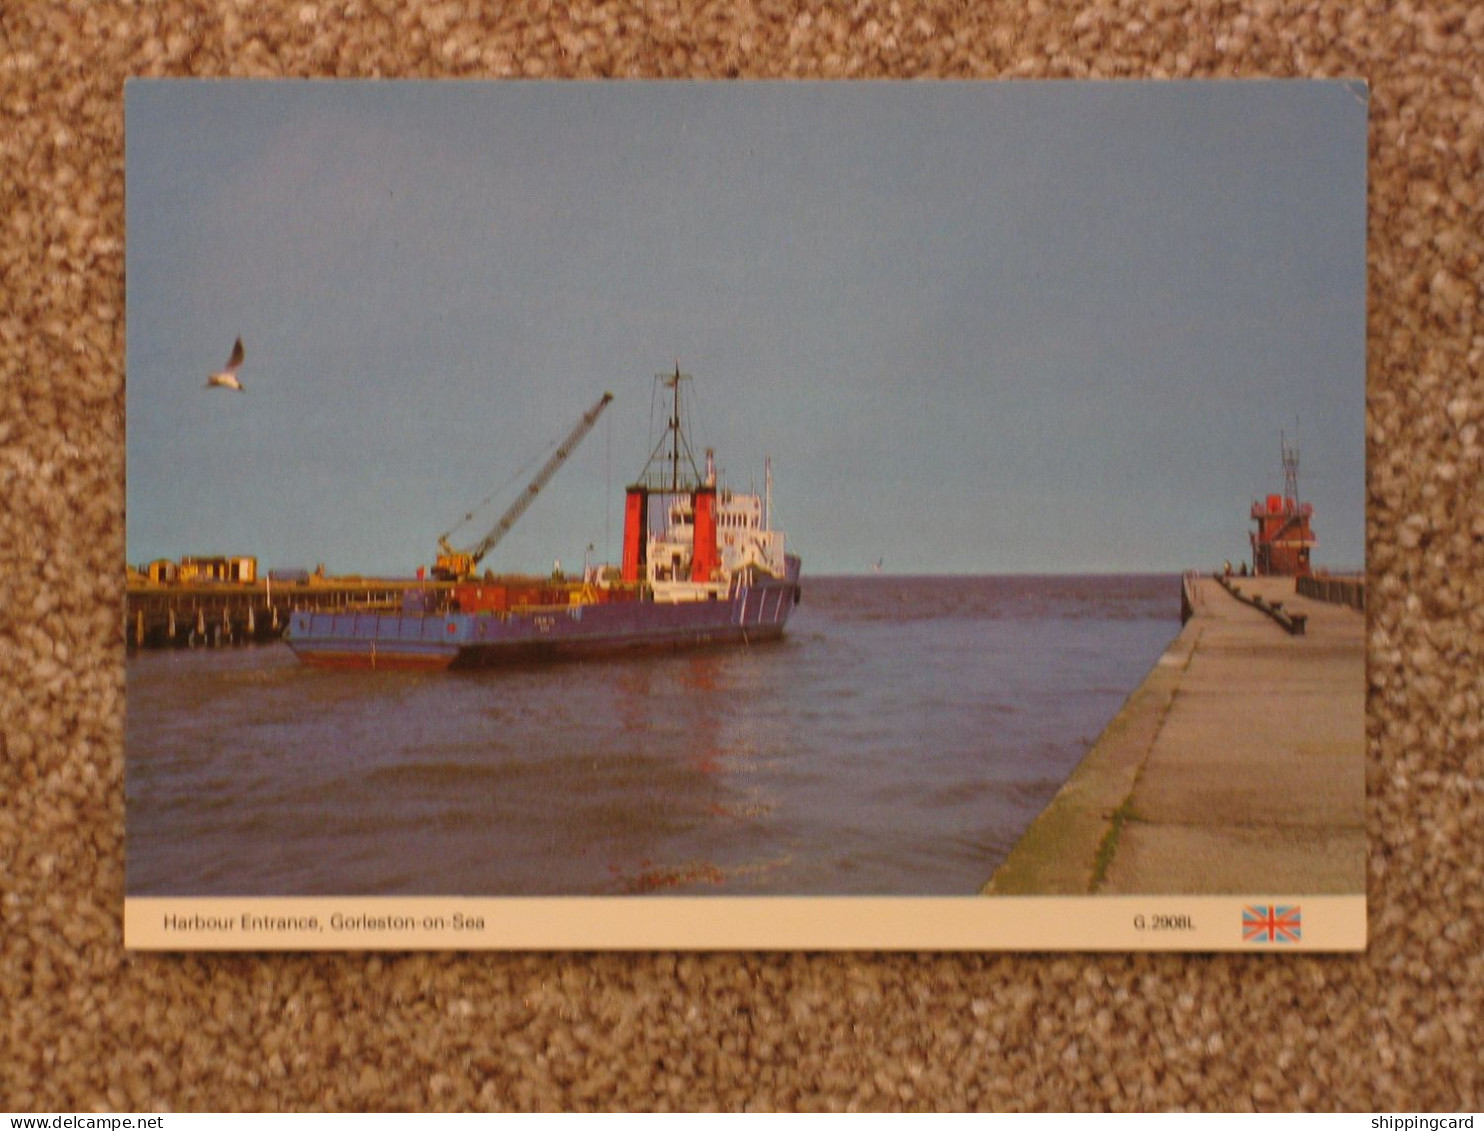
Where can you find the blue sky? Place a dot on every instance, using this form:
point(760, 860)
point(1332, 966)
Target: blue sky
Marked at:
point(979, 327)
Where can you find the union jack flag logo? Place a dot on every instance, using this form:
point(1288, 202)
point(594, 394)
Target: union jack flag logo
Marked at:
point(1271, 924)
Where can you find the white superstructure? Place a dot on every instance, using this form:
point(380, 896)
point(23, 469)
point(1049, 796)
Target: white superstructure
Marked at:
point(743, 541)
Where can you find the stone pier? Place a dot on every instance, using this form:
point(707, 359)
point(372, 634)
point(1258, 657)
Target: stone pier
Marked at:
point(1237, 767)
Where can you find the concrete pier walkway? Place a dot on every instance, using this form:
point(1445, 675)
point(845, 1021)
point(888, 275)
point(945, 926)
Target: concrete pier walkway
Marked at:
point(1237, 767)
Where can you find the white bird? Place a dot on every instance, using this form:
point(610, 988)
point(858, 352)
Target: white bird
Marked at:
point(227, 378)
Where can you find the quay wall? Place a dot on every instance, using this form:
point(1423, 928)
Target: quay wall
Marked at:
point(1336, 590)
point(1065, 850)
point(1237, 766)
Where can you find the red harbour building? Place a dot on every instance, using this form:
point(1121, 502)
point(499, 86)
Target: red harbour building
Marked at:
point(1283, 541)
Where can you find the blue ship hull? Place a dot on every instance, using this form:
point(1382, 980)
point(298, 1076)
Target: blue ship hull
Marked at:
point(747, 613)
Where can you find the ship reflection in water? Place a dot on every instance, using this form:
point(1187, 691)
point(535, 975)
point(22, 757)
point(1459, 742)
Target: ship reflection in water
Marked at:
point(897, 741)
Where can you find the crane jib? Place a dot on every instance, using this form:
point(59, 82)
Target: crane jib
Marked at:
point(453, 563)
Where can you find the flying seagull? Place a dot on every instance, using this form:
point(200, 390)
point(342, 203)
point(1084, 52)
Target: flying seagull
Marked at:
point(227, 378)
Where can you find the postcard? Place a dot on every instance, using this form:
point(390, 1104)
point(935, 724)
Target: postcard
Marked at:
point(745, 515)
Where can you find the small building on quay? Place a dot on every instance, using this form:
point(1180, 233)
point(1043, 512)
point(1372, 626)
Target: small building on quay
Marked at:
point(197, 570)
point(1283, 540)
point(162, 571)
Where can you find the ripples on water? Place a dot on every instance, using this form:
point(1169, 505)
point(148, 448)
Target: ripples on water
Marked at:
point(897, 741)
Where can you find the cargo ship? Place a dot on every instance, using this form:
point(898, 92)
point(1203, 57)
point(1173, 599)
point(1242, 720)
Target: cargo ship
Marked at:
point(701, 565)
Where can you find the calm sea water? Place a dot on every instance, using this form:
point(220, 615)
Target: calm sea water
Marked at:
point(897, 741)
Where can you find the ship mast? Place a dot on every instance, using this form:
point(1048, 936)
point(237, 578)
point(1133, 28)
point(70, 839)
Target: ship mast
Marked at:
point(768, 493)
point(680, 484)
point(674, 384)
point(681, 475)
point(1290, 468)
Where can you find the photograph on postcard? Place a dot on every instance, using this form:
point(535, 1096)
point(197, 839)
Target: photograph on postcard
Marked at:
point(681, 494)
